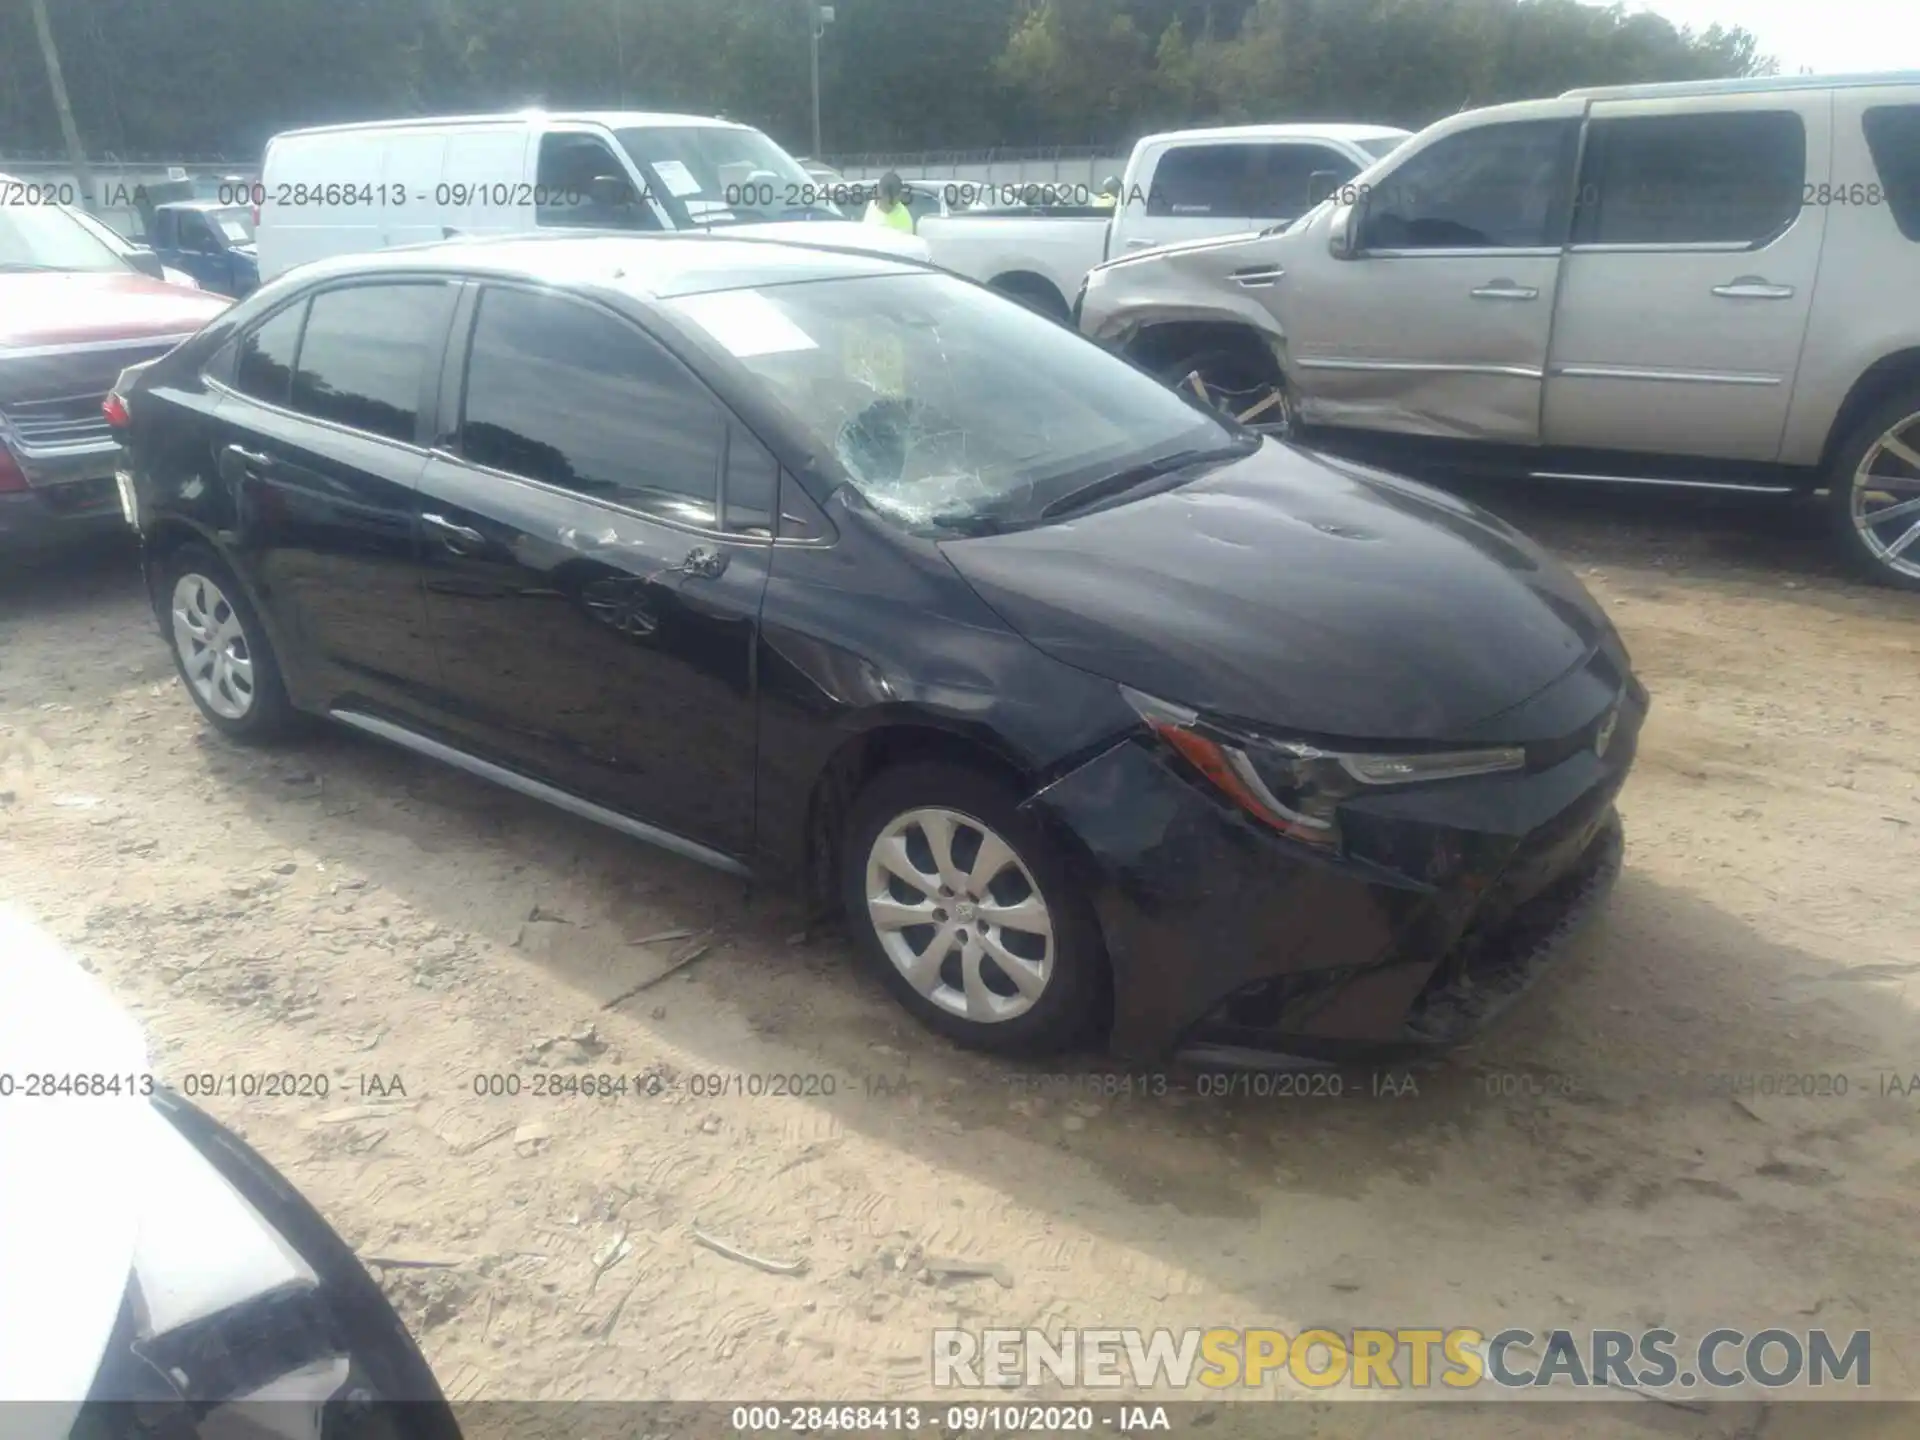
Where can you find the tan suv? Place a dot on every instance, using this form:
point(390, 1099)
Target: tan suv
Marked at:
point(1711, 284)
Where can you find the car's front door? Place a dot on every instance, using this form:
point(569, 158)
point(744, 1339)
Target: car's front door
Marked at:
point(203, 254)
point(594, 600)
point(320, 442)
point(1686, 289)
point(1437, 323)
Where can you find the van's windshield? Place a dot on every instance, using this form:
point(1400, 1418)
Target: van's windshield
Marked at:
point(724, 175)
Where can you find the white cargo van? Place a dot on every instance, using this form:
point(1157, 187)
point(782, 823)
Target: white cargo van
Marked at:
point(340, 189)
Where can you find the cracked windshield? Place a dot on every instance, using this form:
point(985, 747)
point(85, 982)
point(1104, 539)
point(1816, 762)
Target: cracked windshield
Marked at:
point(906, 380)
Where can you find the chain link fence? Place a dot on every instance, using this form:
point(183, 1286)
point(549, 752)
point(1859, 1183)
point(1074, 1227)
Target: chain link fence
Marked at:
point(1066, 165)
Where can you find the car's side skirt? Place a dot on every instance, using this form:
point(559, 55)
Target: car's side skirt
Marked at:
point(538, 790)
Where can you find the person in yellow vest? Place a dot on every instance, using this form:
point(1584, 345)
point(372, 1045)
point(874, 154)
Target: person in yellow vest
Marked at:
point(1109, 196)
point(889, 205)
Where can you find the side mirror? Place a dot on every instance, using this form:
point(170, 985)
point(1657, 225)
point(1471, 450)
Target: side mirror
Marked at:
point(1343, 232)
point(611, 190)
point(146, 262)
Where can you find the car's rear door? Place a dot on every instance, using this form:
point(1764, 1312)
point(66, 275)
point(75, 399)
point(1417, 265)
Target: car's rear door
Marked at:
point(594, 600)
point(320, 443)
point(1685, 293)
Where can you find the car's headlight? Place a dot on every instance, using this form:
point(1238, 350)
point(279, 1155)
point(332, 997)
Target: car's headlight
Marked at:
point(1297, 788)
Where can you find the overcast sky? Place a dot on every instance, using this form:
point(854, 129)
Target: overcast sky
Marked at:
point(1825, 36)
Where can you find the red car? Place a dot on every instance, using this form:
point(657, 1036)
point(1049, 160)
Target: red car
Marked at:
point(74, 313)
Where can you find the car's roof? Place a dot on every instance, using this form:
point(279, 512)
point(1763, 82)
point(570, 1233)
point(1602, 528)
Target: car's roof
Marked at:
point(1299, 131)
point(612, 119)
point(200, 205)
point(657, 266)
point(1747, 85)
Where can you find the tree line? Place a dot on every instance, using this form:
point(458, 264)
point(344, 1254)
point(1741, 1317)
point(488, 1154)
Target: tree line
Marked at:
point(211, 79)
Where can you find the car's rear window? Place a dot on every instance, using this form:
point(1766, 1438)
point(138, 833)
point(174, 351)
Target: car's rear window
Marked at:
point(1893, 135)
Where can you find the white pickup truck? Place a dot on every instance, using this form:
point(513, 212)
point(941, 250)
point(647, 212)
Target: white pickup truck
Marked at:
point(1039, 243)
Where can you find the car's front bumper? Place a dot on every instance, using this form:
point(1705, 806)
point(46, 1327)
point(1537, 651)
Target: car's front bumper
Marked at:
point(1231, 945)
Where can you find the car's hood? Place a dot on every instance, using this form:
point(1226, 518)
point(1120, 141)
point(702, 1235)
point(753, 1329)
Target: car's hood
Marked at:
point(81, 307)
point(838, 234)
point(70, 1182)
point(1299, 592)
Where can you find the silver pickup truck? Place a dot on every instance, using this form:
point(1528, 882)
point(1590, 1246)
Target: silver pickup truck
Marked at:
point(1712, 284)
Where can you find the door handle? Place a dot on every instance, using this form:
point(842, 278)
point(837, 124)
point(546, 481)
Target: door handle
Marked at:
point(1257, 277)
point(249, 459)
point(461, 539)
point(1505, 290)
point(1753, 287)
point(1138, 244)
point(704, 562)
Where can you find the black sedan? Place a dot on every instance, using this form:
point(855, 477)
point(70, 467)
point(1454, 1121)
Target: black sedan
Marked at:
point(1086, 706)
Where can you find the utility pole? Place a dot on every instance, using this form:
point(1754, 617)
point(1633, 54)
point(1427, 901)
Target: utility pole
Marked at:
point(76, 155)
point(819, 17)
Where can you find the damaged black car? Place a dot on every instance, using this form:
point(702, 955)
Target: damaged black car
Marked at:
point(1095, 713)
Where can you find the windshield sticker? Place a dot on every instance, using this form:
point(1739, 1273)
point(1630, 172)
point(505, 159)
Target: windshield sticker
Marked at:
point(676, 177)
point(746, 323)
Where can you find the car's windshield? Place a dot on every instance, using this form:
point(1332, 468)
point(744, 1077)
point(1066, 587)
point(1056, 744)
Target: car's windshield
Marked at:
point(910, 381)
point(45, 237)
point(725, 175)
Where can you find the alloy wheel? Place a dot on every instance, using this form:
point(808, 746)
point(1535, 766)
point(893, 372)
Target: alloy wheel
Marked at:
point(958, 913)
point(213, 647)
point(1886, 498)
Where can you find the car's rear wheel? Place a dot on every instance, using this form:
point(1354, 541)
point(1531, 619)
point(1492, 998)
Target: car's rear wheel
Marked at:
point(1237, 383)
point(1874, 488)
point(967, 912)
point(220, 647)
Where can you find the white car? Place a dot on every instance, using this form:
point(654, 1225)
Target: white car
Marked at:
point(349, 189)
point(152, 1259)
point(1183, 185)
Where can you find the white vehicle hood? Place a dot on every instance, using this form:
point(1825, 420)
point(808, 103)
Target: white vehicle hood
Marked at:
point(838, 235)
point(95, 1189)
point(68, 1220)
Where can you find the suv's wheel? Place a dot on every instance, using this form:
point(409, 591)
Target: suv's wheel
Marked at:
point(1874, 487)
point(220, 646)
point(967, 913)
point(1236, 382)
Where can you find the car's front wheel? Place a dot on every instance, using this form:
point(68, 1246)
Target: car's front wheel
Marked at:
point(968, 913)
point(220, 647)
point(1874, 488)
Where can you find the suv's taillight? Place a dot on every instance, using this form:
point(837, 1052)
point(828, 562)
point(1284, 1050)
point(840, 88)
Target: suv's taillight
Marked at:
point(12, 478)
point(115, 409)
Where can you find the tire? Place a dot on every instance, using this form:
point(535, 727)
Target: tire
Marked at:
point(1236, 383)
point(1868, 544)
point(220, 647)
point(1066, 973)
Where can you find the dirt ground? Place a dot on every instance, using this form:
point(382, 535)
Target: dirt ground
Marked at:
point(344, 910)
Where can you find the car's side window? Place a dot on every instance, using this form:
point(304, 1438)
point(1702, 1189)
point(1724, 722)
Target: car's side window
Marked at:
point(163, 231)
point(1732, 177)
point(1501, 186)
point(363, 356)
point(580, 183)
point(196, 233)
point(752, 486)
point(1290, 179)
point(563, 392)
point(263, 365)
point(1195, 180)
point(1893, 136)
